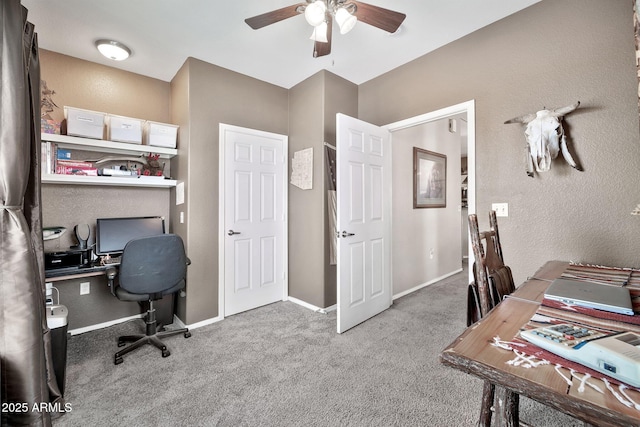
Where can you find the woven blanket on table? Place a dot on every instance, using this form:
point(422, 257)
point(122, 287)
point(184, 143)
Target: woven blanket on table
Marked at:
point(555, 312)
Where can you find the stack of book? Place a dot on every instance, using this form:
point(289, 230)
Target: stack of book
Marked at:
point(75, 167)
point(58, 161)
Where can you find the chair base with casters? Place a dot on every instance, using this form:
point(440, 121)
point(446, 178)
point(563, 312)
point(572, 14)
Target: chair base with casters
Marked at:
point(152, 336)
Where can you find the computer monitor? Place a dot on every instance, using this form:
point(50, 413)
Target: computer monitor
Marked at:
point(112, 234)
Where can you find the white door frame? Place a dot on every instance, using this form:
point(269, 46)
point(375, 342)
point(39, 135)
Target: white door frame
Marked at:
point(468, 107)
point(221, 212)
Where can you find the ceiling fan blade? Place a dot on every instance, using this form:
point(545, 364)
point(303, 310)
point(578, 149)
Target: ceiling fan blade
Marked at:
point(323, 49)
point(274, 16)
point(385, 19)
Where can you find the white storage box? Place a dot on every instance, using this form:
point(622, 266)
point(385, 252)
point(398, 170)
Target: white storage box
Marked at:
point(124, 129)
point(160, 134)
point(85, 123)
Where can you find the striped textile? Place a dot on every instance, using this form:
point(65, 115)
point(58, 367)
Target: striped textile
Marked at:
point(556, 312)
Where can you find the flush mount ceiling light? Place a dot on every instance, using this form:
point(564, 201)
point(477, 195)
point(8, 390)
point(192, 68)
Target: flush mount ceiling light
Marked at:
point(113, 49)
point(321, 13)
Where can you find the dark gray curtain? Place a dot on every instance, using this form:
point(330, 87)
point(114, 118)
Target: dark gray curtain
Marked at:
point(26, 376)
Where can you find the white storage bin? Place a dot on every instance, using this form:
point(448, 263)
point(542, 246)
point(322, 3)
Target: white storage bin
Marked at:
point(124, 129)
point(85, 123)
point(160, 134)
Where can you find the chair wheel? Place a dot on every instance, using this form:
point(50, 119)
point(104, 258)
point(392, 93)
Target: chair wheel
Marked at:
point(187, 334)
point(166, 353)
point(118, 360)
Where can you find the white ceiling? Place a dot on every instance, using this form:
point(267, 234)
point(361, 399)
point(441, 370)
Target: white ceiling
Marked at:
point(163, 33)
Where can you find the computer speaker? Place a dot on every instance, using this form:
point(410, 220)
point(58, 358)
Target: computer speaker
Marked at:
point(83, 232)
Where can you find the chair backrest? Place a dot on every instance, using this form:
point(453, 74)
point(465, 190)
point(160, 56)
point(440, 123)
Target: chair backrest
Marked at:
point(153, 265)
point(493, 279)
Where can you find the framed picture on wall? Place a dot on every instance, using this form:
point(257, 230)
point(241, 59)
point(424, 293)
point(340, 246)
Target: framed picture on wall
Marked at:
point(429, 179)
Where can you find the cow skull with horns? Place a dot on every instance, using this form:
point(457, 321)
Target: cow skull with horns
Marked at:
point(545, 137)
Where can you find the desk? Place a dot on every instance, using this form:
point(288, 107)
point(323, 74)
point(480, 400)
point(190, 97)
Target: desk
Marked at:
point(164, 306)
point(473, 353)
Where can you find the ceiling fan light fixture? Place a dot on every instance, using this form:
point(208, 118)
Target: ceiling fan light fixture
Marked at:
point(345, 20)
point(315, 13)
point(113, 49)
point(345, 13)
point(320, 33)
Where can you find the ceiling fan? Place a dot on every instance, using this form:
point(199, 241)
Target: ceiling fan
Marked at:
point(321, 14)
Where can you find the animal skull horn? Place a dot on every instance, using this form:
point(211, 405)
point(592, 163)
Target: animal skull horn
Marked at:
point(545, 137)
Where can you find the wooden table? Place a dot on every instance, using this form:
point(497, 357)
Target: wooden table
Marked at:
point(473, 353)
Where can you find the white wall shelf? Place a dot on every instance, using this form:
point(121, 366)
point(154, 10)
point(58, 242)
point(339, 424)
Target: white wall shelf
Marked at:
point(108, 180)
point(104, 146)
point(111, 147)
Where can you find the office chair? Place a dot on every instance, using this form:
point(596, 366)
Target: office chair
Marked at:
point(150, 268)
point(493, 281)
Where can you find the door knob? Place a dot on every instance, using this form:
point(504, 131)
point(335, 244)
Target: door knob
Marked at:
point(231, 232)
point(345, 234)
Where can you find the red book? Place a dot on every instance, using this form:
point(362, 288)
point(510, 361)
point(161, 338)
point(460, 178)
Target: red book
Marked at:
point(76, 170)
point(75, 163)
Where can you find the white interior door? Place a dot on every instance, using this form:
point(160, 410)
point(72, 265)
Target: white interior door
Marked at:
point(364, 221)
point(254, 226)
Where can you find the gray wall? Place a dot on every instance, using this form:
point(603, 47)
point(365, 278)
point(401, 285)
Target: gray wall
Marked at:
point(83, 84)
point(180, 167)
point(551, 54)
point(306, 231)
point(431, 229)
point(313, 105)
point(213, 95)
point(199, 97)
point(68, 205)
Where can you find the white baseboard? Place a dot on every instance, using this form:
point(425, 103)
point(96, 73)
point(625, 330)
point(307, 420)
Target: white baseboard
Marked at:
point(104, 325)
point(197, 324)
point(430, 282)
point(329, 309)
point(401, 294)
point(176, 320)
point(312, 307)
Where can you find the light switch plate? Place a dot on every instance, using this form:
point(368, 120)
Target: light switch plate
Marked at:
point(502, 209)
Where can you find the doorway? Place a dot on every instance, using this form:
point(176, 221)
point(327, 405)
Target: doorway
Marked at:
point(252, 219)
point(465, 108)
